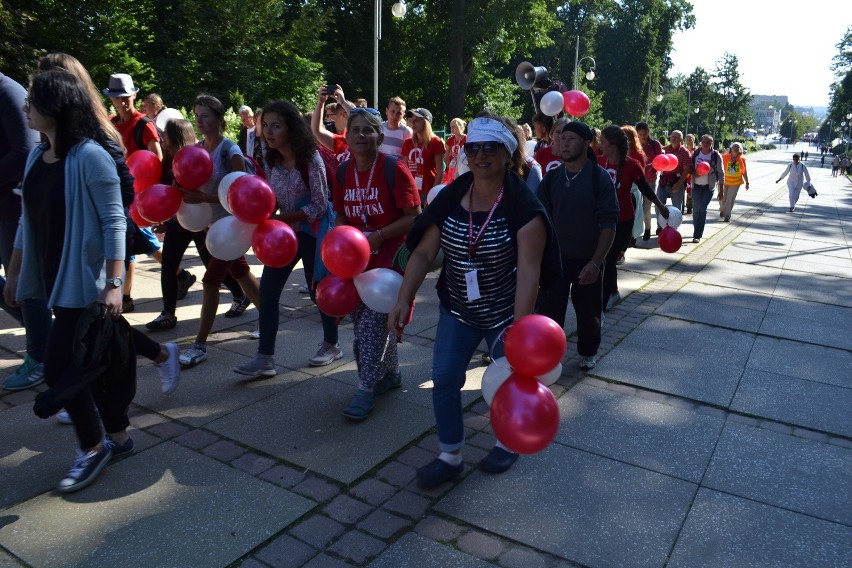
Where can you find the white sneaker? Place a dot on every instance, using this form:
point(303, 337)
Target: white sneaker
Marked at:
point(588, 363)
point(64, 418)
point(326, 355)
point(304, 289)
point(169, 370)
point(197, 353)
point(256, 333)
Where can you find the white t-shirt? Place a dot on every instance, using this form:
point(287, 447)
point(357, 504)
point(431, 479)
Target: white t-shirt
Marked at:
point(394, 137)
point(702, 157)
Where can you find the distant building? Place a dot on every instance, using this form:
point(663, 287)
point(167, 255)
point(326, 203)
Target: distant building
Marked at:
point(766, 110)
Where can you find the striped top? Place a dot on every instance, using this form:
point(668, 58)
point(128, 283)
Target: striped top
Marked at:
point(495, 260)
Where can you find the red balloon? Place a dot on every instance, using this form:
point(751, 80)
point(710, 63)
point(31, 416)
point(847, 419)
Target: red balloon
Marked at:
point(251, 199)
point(661, 163)
point(345, 251)
point(145, 168)
point(702, 169)
point(192, 167)
point(274, 243)
point(669, 239)
point(576, 103)
point(524, 414)
point(158, 203)
point(137, 218)
point(534, 345)
point(336, 296)
point(673, 162)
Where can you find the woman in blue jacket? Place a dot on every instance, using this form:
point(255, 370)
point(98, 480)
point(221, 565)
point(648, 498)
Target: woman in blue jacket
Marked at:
point(70, 250)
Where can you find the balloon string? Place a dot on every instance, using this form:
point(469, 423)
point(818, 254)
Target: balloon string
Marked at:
point(500, 337)
point(390, 337)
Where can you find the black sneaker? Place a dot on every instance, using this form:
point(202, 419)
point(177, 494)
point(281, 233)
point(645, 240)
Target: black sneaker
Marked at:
point(238, 307)
point(646, 235)
point(185, 281)
point(498, 460)
point(437, 472)
point(87, 466)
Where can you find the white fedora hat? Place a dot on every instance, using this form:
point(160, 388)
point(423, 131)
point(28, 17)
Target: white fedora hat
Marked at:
point(120, 85)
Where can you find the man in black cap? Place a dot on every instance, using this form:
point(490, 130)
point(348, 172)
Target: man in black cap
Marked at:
point(580, 198)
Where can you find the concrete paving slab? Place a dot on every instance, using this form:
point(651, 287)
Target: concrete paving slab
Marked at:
point(779, 469)
point(820, 264)
point(35, 454)
point(802, 360)
point(653, 356)
point(815, 288)
point(724, 530)
point(637, 431)
point(810, 322)
point(581, 507)
point(749, 277)
point(313, 433)
point(209, 513)
point(795, 401)
point(804, 245)
point(211, 389)
point(415, 551)
point(736, 309)
point(7, 560)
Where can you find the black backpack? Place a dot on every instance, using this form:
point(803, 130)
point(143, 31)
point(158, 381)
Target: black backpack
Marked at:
point(139, 132)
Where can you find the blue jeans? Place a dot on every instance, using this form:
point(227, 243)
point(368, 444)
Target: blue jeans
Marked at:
point(701, 197)
point(32, 314)
point(665, 192)
point(455, 343)
point(272, 284)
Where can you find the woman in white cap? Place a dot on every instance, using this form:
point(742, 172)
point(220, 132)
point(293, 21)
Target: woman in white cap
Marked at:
point(495, 236)
point(424, 152)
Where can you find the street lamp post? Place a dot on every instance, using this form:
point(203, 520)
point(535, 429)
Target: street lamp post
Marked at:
point(849, 134)
point(689, 103)
point(398, 10)
point(591, 73)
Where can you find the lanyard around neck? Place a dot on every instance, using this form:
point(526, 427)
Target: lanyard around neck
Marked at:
point(474, 241)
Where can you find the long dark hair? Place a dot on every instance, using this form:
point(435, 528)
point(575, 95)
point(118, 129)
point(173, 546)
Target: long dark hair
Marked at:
point(61, 96)
point(616, 136)
point(302, 140)
point(180, 133)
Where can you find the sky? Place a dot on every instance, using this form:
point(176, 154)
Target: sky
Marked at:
point(784, 48)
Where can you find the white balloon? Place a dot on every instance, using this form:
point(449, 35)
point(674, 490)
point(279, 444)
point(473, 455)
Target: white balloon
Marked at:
point(495, 375)
point(379, 288)
point(225, 185)
point(195, 216)
point(433, 193)
point(229, 238)
point(551, 376)
point(551, 103)
point(675, 218)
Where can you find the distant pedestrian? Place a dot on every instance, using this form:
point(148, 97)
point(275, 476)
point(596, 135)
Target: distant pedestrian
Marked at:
point(822, 161)
point(835, 165)
point(797, 172)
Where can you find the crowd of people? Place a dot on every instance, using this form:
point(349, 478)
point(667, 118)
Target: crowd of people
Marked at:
point(523, 224)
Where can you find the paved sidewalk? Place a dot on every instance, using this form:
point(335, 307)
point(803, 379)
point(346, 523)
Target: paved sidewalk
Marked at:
point(715, 431)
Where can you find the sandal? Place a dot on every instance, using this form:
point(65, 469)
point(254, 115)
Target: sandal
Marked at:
point(163, 322)
point(360, 405)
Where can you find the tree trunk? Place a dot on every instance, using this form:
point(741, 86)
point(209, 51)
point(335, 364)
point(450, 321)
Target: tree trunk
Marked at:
point(459, 76)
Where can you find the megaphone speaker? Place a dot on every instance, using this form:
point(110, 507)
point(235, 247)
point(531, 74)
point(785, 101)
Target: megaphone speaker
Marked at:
point(528, 76)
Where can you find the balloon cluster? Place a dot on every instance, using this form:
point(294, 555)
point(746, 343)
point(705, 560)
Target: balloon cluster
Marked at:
point(575, 103)
point(665, 162)
point(669, 239)
point(251, 201)
point(345, 251)
point(524, 413)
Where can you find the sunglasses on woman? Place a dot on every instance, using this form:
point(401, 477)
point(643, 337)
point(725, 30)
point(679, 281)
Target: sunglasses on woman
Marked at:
point(488, 148)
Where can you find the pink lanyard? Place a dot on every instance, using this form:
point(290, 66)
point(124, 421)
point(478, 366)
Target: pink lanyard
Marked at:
point(472, 242)
point(361, 193)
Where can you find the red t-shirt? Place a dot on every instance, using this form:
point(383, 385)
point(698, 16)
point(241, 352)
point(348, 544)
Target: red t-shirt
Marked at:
point(128, 134)
point(546, 159)
point(630, 174)
point(381, 209)
point(341, 148)
point(421, 161)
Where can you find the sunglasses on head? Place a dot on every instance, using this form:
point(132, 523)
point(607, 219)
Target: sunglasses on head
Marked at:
point(368, 110)
point(488, 148)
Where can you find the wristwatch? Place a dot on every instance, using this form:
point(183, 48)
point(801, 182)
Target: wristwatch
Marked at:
point(116, 282)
